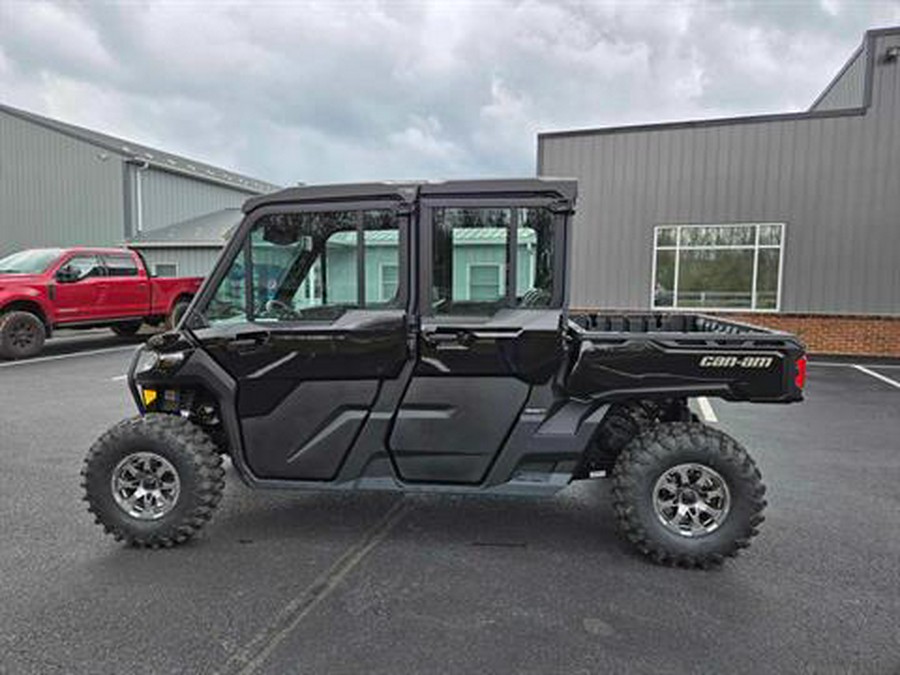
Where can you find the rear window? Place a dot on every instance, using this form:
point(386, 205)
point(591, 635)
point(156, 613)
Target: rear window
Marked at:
point(120, 266)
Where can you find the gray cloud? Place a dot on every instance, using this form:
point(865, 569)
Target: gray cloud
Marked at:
point(368, 90)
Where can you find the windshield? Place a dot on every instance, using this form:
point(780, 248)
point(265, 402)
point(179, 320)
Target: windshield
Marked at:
point(32, 261)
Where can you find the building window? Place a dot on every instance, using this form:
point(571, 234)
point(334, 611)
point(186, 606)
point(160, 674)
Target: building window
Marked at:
point(165, 269)
point(718, 267)
point(485, 282)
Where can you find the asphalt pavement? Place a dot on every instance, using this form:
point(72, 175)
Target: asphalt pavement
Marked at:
point(377, 583)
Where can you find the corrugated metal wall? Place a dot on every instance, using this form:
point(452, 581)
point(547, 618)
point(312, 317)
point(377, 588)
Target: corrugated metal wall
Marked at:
point(55, 190)
point(835, 181)
point(848, 89)
point(168, 198)
point(191, 261)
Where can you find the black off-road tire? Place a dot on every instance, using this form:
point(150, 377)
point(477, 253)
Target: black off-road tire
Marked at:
point(186, 447)
point(657, 450)
point(623, 422)
point(177, 312)
point(22, 334)
point(126, 329)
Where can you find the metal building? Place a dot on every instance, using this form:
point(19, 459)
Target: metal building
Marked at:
point(62, 185)
point(793, 215)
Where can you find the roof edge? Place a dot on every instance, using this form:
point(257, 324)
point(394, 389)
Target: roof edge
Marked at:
point(712, 122)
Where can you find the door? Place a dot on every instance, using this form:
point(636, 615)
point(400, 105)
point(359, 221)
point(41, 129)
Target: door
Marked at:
point(79, 285)
point(490, 311)
point(310, 319)
point(127, 289)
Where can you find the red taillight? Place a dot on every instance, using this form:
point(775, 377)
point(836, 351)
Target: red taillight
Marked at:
point(800, 377)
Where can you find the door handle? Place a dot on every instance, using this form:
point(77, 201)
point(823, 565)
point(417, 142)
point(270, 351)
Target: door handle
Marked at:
point(441, 338)
point(244, 342)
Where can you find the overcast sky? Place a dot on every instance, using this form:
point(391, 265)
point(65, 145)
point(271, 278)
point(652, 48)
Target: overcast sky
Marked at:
point(342, 91)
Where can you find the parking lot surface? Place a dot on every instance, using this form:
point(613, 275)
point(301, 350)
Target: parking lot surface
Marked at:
point(376, 583)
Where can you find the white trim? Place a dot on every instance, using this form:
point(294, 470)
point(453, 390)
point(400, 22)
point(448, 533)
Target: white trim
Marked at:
point(381, 267)
point(755, 247)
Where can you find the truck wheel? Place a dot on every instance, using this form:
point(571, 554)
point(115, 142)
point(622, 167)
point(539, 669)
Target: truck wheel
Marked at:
point(22, 334)
point(153, 481)
point(177, 312)
point(687, 495)
point(126, 329)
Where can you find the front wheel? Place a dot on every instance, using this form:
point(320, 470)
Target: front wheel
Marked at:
point(153, 481)
point(22, 334)
point(688, 495)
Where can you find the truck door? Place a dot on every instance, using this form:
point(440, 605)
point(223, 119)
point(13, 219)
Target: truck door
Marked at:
point(310, 318)
point(127, 289)
point(79, 283)
point(490, 306)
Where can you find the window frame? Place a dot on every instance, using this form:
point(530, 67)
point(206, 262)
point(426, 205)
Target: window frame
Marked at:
point(240, 245)
point(756, 246)
point(425, 245)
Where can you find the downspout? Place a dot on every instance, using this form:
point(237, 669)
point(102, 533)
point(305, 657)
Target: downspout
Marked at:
point(140, 166)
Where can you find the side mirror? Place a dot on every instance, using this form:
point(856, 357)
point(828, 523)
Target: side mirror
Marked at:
point(66, 275)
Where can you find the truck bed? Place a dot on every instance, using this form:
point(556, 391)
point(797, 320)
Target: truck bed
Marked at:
point(658, 354)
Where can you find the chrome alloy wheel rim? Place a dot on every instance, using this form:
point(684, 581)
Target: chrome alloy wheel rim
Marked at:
point(145, 485)
point(691, 500)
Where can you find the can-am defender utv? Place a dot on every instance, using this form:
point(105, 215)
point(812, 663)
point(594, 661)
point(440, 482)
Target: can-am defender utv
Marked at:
point(416, 337)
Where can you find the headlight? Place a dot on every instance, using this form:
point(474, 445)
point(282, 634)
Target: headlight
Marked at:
point(148, 360)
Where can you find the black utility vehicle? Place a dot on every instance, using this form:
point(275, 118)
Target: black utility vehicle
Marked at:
point(416, 337)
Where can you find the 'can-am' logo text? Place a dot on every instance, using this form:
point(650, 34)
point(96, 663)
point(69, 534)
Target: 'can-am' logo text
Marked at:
point(736, 361)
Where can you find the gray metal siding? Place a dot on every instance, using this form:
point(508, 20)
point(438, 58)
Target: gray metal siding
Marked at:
point(192, 262)
point(833, 180)
point(848, 89)
point(168, 198)
point(55, 190)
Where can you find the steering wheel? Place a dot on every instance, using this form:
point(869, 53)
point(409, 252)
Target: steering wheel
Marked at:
point(278, 308)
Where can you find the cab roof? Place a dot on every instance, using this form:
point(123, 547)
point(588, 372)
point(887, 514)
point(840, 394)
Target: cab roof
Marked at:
point(408, 191)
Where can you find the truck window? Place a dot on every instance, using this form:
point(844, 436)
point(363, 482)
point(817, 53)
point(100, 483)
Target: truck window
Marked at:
point(83, 267)
point(472, 256)
point(120, 266)
point(310, 266)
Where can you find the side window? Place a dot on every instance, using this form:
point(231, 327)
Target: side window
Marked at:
point(470, 258)
point(83, 267)
point(120, 266)
point(307, 266)
point(475, 254)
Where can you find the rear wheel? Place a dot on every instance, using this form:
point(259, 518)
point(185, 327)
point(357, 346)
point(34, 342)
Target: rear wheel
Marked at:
point(624, 421)
point(687, 495)
point(22, 334)
point(153, 481)
point(127, 328)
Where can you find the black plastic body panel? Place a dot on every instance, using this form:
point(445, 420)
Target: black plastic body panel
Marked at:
point(645, 355)
point(449, 429)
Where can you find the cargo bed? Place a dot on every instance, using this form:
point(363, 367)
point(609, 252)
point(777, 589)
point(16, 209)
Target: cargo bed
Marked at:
point(659, 354)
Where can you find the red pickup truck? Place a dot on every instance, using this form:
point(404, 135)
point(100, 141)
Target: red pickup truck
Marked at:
point(47, 288)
